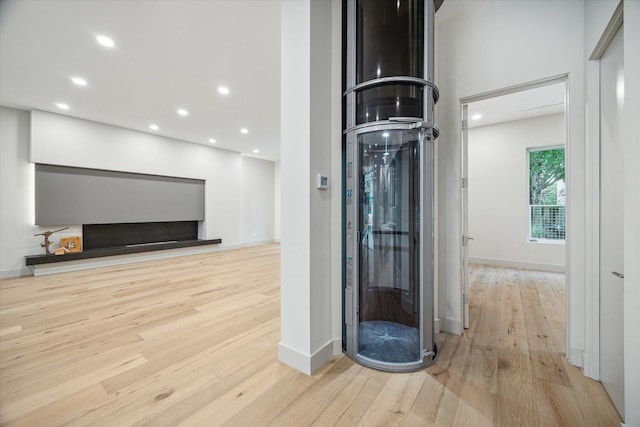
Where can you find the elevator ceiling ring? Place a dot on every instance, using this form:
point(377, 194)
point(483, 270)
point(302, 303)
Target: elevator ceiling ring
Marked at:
point(391, 80)
point(397, 125)
point(382, 125)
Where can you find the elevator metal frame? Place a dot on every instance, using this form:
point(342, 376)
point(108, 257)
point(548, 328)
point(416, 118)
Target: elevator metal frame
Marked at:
point(424, 127)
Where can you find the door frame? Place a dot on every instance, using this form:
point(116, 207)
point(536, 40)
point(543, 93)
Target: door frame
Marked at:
point(463, 192)
point(465, 213)
point(592, 202)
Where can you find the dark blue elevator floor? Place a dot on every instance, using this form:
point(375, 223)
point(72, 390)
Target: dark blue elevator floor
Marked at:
point(389, 341)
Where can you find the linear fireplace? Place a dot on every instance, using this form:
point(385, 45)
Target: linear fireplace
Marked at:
point(101, 236)
point(122, 213)
point(108, 240)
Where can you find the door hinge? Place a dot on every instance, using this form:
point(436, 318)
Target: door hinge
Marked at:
point(465, 298)
point(428, 353)
point(464, 125)
point(465, 182)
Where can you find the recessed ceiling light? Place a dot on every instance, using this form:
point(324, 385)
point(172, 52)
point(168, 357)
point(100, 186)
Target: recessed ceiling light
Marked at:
point(62, 106)
point(255, 150)
point(183, 112)
point(213, 141)
point(105, 41)
point(79, 81)
point(476, 117)
point(223, 90)
point(153, 127)
point(386, 134)
point(244, 131)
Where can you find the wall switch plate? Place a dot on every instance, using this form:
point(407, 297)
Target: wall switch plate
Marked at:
point(322, 182)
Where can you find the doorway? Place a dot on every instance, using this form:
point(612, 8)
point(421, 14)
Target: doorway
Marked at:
point(510, 218)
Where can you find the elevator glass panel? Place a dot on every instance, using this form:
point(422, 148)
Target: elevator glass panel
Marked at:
point(389, 270)
point(390, 39)
point(389, 100)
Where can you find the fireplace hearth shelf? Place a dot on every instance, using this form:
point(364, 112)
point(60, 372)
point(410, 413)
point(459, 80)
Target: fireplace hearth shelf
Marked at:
point(32, 260)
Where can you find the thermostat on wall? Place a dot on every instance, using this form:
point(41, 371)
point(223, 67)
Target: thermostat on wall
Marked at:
point(323, 182)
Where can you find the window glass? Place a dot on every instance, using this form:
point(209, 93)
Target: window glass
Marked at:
point(547, 194)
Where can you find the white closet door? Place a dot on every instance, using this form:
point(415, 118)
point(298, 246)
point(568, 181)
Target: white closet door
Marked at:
point(612, 222)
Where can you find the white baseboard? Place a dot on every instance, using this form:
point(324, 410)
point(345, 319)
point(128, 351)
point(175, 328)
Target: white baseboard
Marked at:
point(307, 364)
point(294, 358)
point(519, 264)
point(576, 357)
point(588, 368)
point(337, 347)
point(452, 326)
point(245, 244)
point(257, 242)
point(17, 272)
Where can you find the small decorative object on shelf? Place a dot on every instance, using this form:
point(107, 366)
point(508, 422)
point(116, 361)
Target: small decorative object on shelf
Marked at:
point(48, 242)
point(72, 243)
point(61, 251)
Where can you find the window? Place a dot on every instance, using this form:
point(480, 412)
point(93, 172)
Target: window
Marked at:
point(547, 194)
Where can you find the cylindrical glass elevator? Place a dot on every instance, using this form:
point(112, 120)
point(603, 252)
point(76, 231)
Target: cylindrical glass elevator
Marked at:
point(388, 195)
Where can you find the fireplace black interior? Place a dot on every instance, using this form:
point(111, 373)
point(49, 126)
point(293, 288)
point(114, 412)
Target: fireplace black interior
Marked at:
point(106, 240)
point(101, 236)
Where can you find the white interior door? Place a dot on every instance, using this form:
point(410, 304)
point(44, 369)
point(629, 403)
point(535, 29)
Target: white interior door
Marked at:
point(465, 215)
point(612, 222)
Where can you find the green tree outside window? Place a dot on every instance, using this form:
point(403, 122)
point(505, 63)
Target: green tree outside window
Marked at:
point(547, 216)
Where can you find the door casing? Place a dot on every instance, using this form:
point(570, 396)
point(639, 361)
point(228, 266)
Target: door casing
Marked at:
point(464, 161)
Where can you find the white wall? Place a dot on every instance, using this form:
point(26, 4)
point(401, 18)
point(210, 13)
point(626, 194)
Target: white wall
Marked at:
point(485, 45)
point(277, 202)
point(295, 323)
point(307, 96)
point(335, 177)
point(320, 162)
point(597, 15)
point(258, 177)
point(498, 193)
point(42, 137)
point(17, 210)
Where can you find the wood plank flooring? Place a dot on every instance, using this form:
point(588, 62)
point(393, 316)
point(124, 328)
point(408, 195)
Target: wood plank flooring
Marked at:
point(192, 341)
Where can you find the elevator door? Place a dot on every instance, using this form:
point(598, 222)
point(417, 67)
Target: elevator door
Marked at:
point(388, 314)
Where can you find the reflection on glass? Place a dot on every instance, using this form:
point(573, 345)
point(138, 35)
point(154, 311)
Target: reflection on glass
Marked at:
point(390, 100)
point(389, 38)
point(389, 269)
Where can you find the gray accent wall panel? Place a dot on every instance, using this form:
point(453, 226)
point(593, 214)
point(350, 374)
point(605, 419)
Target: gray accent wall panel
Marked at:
point(68, 195)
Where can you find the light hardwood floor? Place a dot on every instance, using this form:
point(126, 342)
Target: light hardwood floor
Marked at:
point(192, 341)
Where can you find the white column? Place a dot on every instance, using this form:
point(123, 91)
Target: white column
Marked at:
point(307, 102)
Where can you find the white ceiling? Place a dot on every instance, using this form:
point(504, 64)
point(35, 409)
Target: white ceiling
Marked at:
point(519, 105)
point(168, 55)
point(174, 54)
